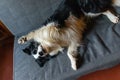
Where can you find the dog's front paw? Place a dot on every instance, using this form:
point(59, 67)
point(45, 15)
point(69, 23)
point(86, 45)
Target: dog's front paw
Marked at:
point(22, 40)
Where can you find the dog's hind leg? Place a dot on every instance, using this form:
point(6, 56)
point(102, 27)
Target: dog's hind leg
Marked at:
point(74, 57)
point(112, 13)
point(26, 38)
point(111, 16)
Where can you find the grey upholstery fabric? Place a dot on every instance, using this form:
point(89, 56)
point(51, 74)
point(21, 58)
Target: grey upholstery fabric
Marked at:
point(24, 15)
point(100, 50)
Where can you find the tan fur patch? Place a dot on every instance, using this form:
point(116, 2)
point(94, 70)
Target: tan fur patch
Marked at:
point(72, 31)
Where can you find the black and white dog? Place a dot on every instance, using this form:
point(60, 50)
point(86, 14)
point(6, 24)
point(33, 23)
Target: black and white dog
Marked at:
point(32, 49)
point(65, 27)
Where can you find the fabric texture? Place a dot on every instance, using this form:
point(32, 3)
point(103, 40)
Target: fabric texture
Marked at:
point(21, 16)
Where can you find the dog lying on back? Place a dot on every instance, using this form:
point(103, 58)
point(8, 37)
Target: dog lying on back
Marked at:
point(52, 39)
point(65, 27)
point(32, 49)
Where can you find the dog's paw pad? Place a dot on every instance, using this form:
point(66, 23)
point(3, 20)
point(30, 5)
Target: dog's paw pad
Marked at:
point(22, 40)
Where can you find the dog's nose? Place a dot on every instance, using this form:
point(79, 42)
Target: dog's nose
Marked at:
point(41, 53)
point(35, 52)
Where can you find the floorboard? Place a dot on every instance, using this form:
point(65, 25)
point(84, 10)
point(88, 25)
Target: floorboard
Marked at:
point(108, 74)
point(6, 59)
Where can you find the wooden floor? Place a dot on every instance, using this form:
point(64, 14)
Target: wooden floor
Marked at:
point(6, 59)
point(108, 74)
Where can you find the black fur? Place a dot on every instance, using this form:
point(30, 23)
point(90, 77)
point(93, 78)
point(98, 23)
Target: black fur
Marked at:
point(32, 49)
point(42, 60)
point(63, 12)
point(95, 6)
point(76, 7)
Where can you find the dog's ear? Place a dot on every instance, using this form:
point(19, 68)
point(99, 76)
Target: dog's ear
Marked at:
point(27, 50)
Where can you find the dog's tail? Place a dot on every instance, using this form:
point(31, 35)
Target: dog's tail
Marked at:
point(116, 2)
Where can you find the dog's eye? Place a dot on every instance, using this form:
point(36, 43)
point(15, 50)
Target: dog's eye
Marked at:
point(35, 51)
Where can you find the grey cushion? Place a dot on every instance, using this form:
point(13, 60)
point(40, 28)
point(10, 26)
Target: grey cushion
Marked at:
point(20, 16)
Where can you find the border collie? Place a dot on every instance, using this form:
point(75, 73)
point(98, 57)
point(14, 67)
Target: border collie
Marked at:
point(32, 48)
point(65, 27)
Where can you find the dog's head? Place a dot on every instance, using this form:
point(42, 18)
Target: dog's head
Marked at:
point(36, 50)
